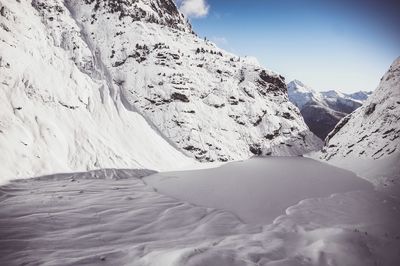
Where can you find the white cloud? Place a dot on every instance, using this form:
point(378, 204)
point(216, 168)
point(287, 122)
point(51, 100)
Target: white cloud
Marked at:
point(194, 8)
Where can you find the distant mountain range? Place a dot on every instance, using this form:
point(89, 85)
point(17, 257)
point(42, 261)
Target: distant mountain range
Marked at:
point(323, 110)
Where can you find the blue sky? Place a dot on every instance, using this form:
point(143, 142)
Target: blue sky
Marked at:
point(327, 44)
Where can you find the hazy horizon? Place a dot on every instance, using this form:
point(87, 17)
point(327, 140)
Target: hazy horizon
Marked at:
point(341, 45)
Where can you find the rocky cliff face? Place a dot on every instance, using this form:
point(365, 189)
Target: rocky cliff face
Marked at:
point(91, 84)
point(323, 110)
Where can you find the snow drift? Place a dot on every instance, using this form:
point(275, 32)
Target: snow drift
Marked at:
point(110, 217)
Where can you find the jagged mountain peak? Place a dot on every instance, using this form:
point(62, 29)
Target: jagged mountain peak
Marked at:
point(297, 82)
point(297, 85)
point(300, 94)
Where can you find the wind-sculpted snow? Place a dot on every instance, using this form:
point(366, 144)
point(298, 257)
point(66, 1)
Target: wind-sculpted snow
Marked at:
point(368, 140)
point(110, 217)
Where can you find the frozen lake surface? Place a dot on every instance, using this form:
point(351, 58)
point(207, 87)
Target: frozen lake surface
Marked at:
point(111, 217)
point(260, 189)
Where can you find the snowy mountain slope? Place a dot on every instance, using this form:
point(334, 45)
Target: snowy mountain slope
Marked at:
point(342, 102)
point(360, 95)
point(367, 141)
point(300, 94)
point(212, 104)
point(92, 84)
point(323, 110)
point(56, 111)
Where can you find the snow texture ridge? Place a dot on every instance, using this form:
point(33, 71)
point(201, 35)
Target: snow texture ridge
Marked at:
point(111, 217)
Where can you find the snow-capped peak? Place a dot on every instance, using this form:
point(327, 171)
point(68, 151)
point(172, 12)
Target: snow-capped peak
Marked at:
point(322, 110)
point(333, 94)
point(298, 83)
point(360, 95)
point(300, 94)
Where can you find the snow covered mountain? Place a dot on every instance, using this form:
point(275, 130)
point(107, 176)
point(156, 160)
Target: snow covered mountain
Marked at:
point(323, 110)
point(92, 84)
point(368, 140)
point(360, 95)
point(58, 113)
